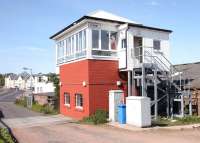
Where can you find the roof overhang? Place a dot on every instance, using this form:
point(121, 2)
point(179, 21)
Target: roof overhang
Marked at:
point(106, 20)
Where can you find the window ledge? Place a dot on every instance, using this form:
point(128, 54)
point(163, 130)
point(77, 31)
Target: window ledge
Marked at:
point(79, 108)
point(67, 105)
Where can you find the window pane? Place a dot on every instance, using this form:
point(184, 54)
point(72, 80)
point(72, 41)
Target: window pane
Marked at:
point(124, 45)
point(77, 45)
point(72, 44)
point(67, 98)
point(113, 40)
point(84, 39)
point(156, 44)
point(95, 39)
point(69, 45)
point(80, 41)
point(104, 40)
point(79, 100)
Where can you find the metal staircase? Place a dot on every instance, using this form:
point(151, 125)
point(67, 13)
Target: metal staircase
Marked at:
point(155, 77)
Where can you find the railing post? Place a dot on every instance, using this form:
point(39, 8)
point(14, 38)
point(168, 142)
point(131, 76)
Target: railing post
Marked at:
point(190, 100)
point(143, 81)
point(129, 83)
point(155, 95)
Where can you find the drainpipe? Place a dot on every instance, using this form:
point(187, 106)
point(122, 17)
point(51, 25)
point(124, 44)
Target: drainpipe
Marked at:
point(129, 71)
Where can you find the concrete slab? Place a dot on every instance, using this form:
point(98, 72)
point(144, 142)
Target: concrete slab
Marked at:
point(35, 121)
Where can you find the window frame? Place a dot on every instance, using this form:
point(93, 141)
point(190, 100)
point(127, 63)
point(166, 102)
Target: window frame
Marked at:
point(111, 53)
point(66, 94)
point(76, 101)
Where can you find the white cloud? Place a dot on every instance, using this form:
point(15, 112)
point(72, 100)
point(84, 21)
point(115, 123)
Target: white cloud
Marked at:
point(153, 3)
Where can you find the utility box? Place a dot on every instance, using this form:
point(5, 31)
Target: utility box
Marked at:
point(138, 111)
point(115, 99)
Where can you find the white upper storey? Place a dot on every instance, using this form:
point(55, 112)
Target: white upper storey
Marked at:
point(105, 36)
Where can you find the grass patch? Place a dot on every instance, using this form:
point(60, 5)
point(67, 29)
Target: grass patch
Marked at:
point(99, 117)
point(46, 109)
point(5, 137)
point(176, 121)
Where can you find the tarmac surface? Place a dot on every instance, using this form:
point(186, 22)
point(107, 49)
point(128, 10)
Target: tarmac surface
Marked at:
point(8, 109)
point(31, 127)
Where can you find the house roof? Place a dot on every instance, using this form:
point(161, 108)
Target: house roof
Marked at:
point(190, 71)
point(13, 76)
point(25, 75)
point(108, 17)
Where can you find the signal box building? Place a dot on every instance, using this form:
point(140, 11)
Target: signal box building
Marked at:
point(101, 52)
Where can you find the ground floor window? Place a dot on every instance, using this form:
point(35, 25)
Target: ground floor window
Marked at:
point(67, 99)
point(79, 100)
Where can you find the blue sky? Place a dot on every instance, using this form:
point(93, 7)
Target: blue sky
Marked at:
point(26, 25)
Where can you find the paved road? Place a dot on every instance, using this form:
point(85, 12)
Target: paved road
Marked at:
point(7, 107)
point(75, 133)
point(31, 127)
point(9, 95)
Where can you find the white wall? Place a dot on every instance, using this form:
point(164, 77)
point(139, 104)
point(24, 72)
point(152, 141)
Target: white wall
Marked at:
point(148, 36)
point(42, 87)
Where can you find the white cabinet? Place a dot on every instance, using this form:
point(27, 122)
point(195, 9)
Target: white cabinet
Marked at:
point(138, 111)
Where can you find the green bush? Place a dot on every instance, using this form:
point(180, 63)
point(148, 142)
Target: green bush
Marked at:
point(6, 137)
point(21, 102)
point(176, 121)
point(46, 109)
point(99, 117)
point(189, 119)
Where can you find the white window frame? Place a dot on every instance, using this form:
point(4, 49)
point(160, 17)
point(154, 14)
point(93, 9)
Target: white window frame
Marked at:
point(66, 94)
point(109, 41)
point(99, 48)
point(76, 101)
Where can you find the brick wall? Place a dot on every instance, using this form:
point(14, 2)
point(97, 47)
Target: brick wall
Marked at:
point(100, 76)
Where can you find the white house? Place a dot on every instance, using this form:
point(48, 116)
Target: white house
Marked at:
point(24, 81)
point(42, 84)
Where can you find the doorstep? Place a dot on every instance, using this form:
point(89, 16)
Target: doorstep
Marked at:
point(134, 128)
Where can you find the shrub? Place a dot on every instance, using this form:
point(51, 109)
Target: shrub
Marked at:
point(21, 102)
point(4, 134)
point(99, 117)
point(189, 119)
point(46, 109)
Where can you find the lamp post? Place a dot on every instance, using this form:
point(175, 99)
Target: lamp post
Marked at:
point(30, 97)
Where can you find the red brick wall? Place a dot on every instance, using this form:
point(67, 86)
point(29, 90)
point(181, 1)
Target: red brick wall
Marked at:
point(71, 76)
point(103, 75)
point(100, 76)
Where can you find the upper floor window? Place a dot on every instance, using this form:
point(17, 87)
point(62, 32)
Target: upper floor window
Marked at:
point(124, 44)
point(156, 44)
point(60, 49)
point(104, 40)
point(73, 47)
point(104, 43)
point(95, 39)
point(113, 40)
point(39, 79)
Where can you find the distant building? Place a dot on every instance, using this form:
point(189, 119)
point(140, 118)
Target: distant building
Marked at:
point(24, 81)
point(42, 84)
point(191, 78)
